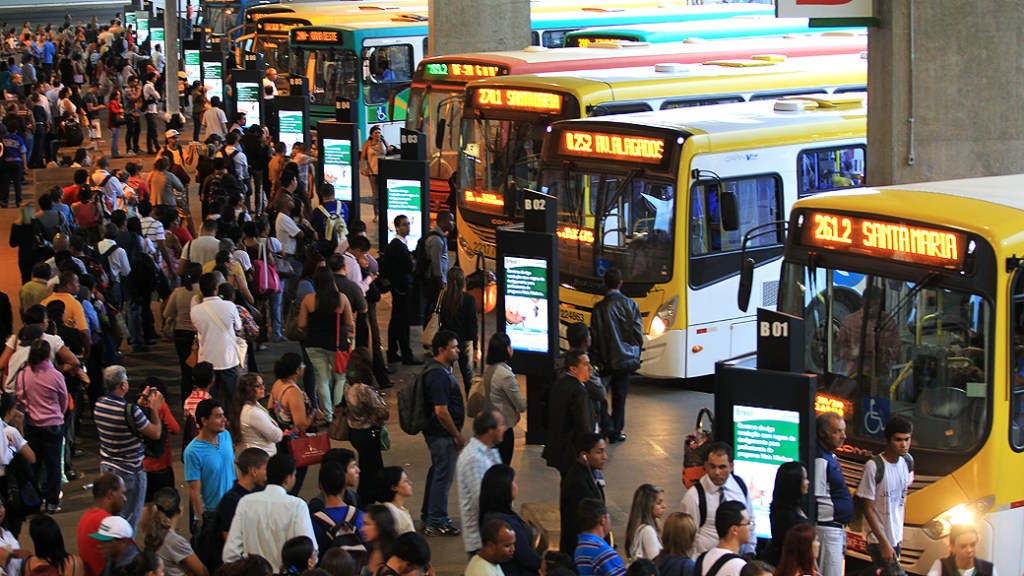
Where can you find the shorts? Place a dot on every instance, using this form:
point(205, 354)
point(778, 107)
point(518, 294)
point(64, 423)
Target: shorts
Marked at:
point(157, 480)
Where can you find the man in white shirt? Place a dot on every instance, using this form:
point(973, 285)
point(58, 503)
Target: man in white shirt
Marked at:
point(499, 545)
point(117, 259)
point(214, 120)
point(232, 152)
point(718, 485)
point(216, 323)
point(203, 249)
point(108, 184)
point(734, 528)
point(150, 105)
point(153, 230)
point(883, 489)
point(287, 230)
point(265, 520)
point(475, 459)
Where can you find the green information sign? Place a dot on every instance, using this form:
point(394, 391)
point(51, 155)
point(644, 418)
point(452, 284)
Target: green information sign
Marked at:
point(157, 36)
point(213, 79)
point(130, 19)
point(338, 167)
point(247, 100)
point(193, 69)
point(765, 439)
point(142, 19)
point(526, 303)
point(405, 197)
point(291, 127)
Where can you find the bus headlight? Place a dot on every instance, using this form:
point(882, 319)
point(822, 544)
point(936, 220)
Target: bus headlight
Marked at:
point(662, 320)
point(938, 528)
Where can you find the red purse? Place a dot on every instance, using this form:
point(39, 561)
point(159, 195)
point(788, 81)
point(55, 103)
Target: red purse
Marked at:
point(309, 450)
point(340, 356)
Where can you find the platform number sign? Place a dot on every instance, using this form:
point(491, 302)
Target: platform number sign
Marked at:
point(780, 341)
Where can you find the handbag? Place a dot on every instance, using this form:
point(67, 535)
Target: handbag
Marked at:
point(338, 429)
point(385, 438)
point(193, 356)
point(265, 276)
point(340, 356)
point(695, 448)
point(308, 449)
point(169, 328)
point(433, 325)
point(283, 267)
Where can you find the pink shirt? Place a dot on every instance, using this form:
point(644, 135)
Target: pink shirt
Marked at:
point(44, 394)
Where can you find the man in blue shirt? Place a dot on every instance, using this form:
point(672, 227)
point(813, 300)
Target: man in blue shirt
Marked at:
point(48, 51)
point(13, 169)
point(444, 433)
point(209, 458)
point(338, 520)
point(835, 504)
point(594, 557)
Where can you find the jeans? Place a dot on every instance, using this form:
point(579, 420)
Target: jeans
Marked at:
point(398, 326)
point(367, 444)
point(465, 366)
point(885, 568)
point(135, 492)
point(224, 384)
point(152, 143)
point(507, 445)
point(11, 173)
point(115, 134)
point(832, 557)
point(443, 455)
point(619, 388)
point(131, 134)
point(133, 307)
point(183, 346)
point(38, 145)
point(197, 123)
point(328, 392)
point(47, 442)
point(275, 313)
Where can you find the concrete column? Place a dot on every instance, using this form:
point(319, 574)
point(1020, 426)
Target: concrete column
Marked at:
point(944, 90)
point(478, 25)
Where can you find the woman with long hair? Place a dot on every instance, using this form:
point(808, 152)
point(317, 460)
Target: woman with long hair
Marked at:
point(677, 537)
point(379, 535)
point(642, 539)
point(160, 536)
point(799, 552)
point(502, 389)
point(787, 507)
point(394, 487)
point(298, 555)
point(326, 319)
point(41, 388)
point(289, 405)
point(498, 491)
point(250, 423)
point(178, 309)
point(50, 549)
point(367, 412)
point(458, 314)
point(373, 150)
point(338, 562)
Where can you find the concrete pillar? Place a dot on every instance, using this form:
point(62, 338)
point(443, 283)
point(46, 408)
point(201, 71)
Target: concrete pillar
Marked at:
point(478, 25)
point(944, 90)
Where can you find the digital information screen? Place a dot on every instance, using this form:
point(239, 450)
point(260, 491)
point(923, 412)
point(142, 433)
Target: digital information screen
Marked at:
point(156, 36)
point(193, 69)
point(765, 438)
point(526, 303)
point(291, 127)
point(130, 19)
point(247, 100)
point(142, 19)
point(213, 79)
point(338, 167)
point(404, 197)
point(880, 238)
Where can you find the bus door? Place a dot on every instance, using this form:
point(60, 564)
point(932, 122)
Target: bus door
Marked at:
point(387, 65)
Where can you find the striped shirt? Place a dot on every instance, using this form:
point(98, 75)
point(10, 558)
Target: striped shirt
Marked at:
point(118, 447)
point(594, 557)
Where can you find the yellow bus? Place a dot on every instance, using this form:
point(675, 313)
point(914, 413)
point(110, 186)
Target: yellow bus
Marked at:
point(913, 302)
point(641, 192)
point(504, 118)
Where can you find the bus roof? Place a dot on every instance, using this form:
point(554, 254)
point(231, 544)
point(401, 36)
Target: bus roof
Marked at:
point(614, 55)
point(735, 27)
point(734, 118)
point(578, 14)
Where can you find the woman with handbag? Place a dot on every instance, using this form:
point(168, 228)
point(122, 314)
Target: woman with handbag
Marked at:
point(366, 413)
point(326, 319)
point(373, 150)
point(178, 321)
point(115, 119)
point(458, 314)
point(290, 406)
point(249, 422)
point(41, 388)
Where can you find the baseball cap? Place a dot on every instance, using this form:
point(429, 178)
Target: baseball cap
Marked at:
point(171, 134)
point(113, 528)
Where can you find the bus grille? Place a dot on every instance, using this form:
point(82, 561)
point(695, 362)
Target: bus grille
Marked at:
point(910, 556)
point(853, 471)
point(485, 234)
point(770, 294)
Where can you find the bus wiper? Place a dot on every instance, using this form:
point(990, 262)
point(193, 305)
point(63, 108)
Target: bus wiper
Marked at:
point(574, 205)
point(926, 281)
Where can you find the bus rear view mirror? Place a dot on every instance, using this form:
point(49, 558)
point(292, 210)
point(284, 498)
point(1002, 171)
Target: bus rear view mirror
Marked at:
point(730, 211)
point(439, 135)
point(746, 283)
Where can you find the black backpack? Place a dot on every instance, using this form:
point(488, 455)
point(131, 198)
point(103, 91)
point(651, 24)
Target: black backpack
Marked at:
point(145, 273)
point(229, 161)
point(698, 569)
point(152, 448)
point(421, 256)
point(344, 535)
point(22, 497)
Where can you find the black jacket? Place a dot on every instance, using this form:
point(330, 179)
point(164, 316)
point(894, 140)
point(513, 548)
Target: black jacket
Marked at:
point(398, 266)
point(464, 323)
point(578, 483)
point(617, 334)
point(569, 413)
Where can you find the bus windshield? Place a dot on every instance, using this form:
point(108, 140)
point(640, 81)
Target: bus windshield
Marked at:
point(498, 156)
point(334, 74)
point(887, 346)
point(274, 50)
point(424, 115)
point(614, 218)
point(220, 18)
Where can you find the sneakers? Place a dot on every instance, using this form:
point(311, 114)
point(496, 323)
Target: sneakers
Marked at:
point(448, 530)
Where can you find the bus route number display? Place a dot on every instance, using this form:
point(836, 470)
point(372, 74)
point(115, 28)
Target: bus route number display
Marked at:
point(891, 240)
point(462, 71)
point(509, 99)
point(316, 37)
point(623, 147)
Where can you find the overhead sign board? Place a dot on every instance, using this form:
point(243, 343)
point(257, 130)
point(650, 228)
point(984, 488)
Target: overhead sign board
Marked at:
point(824, 8)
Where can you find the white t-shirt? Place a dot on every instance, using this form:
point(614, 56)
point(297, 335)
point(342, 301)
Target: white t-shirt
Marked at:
point(730, 568)
point(889, 496)
point(20, 356)
point(286, 229)
point(646, 543)
point(479, 567)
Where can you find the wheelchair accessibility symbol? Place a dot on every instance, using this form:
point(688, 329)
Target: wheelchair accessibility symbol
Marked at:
point(382, 114)
point(875, 414)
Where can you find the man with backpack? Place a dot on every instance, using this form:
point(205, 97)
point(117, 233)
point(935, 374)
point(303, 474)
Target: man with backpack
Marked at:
point(338, 524)
point(717, 486)
point(443, 434)
point(431, 257)
point(217, 186)
point(883, 491)
point(734, 528)
point(109, 186)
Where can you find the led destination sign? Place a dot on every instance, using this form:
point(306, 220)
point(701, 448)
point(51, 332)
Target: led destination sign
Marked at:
point(597, 145)
point(507, 98)
point(462, 71)
point(901, 241)
point(316, 36)
point(280, 27)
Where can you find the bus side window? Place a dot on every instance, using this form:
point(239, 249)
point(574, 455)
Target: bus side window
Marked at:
point(824, 169)
point(388, 66)
point(1017, 363)
point(759, 200)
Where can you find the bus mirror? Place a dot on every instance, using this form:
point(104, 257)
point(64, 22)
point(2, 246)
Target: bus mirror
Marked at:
point(746, 283)
point(439, 135)
point(730, 211)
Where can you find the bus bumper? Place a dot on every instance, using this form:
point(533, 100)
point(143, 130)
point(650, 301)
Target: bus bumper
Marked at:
point(662, 357)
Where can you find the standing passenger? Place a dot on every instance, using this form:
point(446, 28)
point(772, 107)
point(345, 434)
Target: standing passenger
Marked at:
point(618, 336)
point(883, 489)
point(835, 504)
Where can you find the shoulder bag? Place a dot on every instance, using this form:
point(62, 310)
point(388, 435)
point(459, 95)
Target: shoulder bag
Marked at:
point(433, 325)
